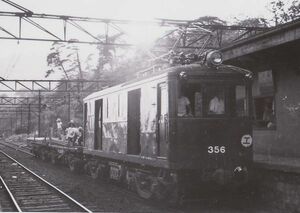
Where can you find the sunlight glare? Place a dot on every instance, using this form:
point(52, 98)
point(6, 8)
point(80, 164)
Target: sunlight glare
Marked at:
point(143, 36)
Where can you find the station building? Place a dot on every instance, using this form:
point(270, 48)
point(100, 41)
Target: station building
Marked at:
point(274, 57)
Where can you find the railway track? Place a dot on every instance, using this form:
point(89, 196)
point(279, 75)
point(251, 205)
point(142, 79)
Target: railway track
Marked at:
point(21, 148)
point(7, 203)
point(30, 192)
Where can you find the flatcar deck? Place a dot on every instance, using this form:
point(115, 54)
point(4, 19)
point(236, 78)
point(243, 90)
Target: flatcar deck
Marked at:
point(31, 192)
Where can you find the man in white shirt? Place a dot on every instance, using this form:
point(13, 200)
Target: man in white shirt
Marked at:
point(216, 105)
point(183, 106)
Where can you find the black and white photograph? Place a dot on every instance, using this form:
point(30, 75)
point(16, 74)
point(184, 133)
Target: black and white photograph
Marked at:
point(143, 106)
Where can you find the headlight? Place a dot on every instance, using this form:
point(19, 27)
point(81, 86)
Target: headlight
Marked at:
point(214, 58)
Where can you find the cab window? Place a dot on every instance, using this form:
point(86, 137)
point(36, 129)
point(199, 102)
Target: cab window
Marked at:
point(209, 100)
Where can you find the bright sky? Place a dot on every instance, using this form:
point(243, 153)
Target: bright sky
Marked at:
point(27, 60)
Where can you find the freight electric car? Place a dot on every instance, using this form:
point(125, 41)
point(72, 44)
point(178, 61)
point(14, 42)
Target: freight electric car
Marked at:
point(175, 129)
point(178, 129)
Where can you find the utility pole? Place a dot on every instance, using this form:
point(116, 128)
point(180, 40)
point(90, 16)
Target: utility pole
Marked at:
point(16, 120)
point(11, 125)
point(40, 109)
point(69, 107)
point(21, 128)
point(29, 120)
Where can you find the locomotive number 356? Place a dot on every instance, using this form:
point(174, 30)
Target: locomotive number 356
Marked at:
point(216, 149)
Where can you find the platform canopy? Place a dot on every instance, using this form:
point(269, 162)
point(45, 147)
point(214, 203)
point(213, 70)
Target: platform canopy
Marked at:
point(284, 38)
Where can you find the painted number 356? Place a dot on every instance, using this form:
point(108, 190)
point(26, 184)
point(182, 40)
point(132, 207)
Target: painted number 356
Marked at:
point(216, 149)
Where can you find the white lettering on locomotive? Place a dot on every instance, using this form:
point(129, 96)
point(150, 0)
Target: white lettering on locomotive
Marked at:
point(216, 149)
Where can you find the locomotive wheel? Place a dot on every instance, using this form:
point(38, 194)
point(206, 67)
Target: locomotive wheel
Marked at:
point(74, 165)
point(54, 159)
point(43, 155)
point(95, 172)
point(35, 153)
point(86, 168)
point(144, 187)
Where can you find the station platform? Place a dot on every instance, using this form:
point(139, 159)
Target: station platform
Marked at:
point(279, 163)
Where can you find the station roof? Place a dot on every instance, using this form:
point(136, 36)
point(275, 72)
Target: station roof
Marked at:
point(282, 35)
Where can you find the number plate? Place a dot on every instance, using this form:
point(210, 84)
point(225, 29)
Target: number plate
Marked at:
point(216, 149)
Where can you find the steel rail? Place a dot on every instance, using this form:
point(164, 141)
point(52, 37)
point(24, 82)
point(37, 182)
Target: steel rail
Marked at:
point(14, 147)
point(49, 184)
point(11, 195)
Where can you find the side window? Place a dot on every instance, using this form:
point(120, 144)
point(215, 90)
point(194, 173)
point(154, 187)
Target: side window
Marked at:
point(119, 108)
point(264, 112)
point(240, 101)
point(163, 99)
point(85, 118)
point(90, 120)
point(122, 103)
point(107, 108)
point(263, 100)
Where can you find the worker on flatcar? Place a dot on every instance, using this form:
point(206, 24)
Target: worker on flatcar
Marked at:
point(71, 133)
point(79, 138)
point(59, 125)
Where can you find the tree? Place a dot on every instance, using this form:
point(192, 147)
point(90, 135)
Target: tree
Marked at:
point(284, 12)
point(252, 22)
point(65, 57)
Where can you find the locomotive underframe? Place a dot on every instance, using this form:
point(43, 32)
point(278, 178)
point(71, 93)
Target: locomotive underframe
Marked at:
point(148, 181)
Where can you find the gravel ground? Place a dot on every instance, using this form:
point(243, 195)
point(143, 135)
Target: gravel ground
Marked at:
point(101, 196)
point(96, 195)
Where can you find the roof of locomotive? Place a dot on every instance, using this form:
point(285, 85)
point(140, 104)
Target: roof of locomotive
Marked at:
point(203, 69)
point(193, 69)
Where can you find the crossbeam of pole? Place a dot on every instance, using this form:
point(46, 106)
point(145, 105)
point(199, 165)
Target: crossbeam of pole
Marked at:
point(16, 108)
point(25, 101)
point(9, 109)
point(17, 105)
point(25, 10)
point(161, 22)
point(16, 100)
point(50, 85)
point(16, 111)
point(108, 26)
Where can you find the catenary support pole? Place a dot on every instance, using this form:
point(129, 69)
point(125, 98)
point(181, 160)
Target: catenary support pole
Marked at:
point(39, 121)
point(69, 107)
point(21, 125)
point(11, 125)
point(28, 120)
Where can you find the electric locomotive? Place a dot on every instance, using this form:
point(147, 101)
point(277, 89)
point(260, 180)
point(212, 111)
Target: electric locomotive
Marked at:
point(177, 129)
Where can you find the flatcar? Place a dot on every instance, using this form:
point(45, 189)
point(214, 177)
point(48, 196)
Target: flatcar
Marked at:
point(173, 130)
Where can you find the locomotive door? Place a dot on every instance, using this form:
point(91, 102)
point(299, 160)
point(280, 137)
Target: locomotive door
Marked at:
point(133, 125)
point(162, 110)
point(98, 124)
